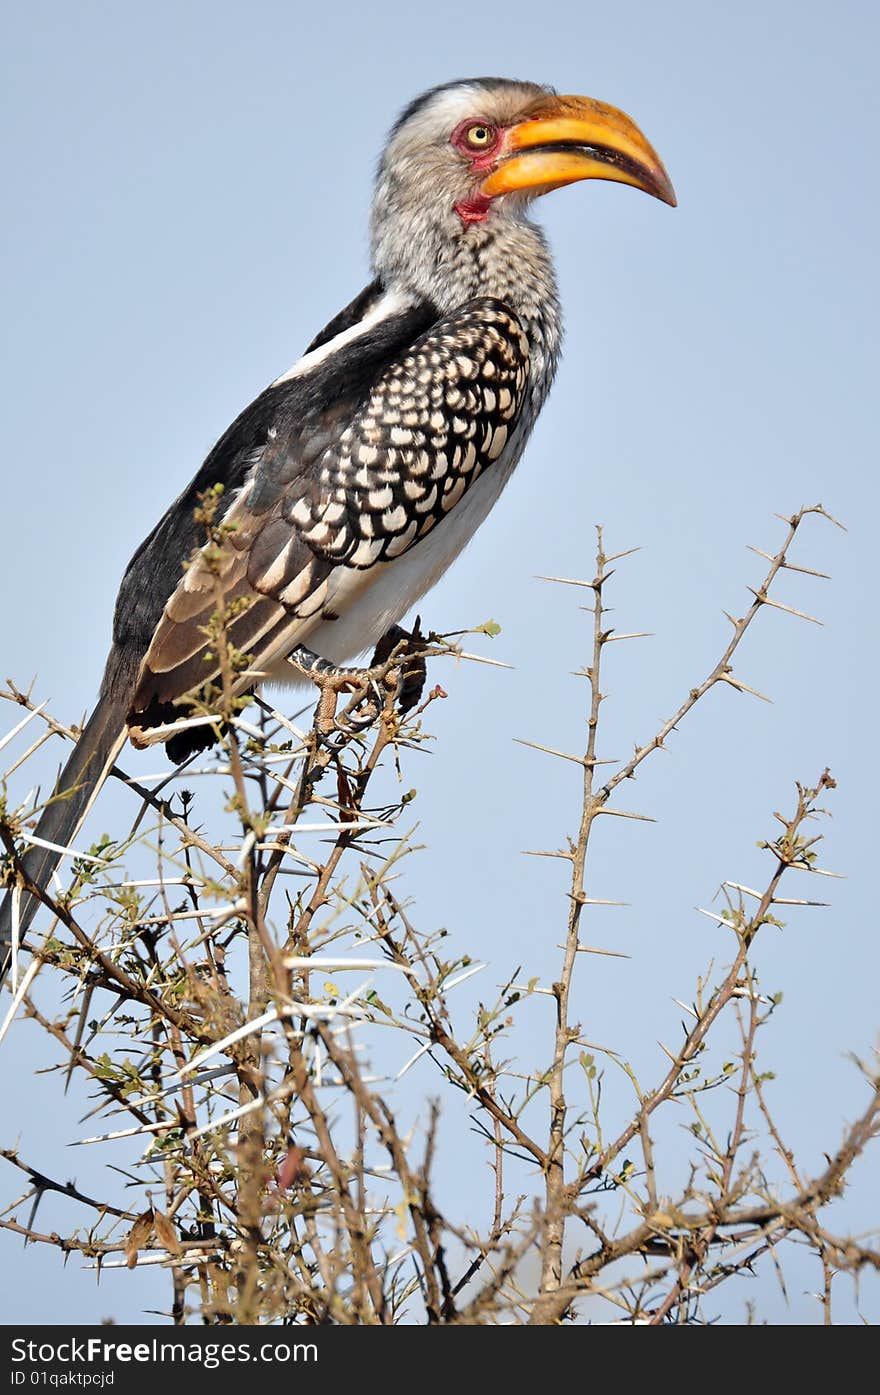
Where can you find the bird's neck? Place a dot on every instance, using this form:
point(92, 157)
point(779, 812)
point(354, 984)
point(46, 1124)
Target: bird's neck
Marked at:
point(504, 258)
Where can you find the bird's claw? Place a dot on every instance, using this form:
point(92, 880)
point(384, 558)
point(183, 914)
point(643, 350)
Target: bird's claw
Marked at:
point(408, 645)
point(393, 673)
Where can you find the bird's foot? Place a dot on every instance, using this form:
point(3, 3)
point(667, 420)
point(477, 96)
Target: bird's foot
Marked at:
point(396, 671)
point(409, 647)
point(331, 681)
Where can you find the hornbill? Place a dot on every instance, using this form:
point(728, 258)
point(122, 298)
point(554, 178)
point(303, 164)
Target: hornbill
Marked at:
point(355, 479)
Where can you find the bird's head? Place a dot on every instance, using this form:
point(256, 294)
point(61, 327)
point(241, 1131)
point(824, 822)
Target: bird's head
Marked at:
point(465, 160)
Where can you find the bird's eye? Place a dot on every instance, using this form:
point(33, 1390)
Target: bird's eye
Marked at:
point(475, 138)
point(479, 137)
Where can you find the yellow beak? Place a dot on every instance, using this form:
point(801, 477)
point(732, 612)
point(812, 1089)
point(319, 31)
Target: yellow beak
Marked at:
point(565, 139)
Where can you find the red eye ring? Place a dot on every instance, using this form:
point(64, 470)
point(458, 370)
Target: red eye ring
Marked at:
point(475, 138)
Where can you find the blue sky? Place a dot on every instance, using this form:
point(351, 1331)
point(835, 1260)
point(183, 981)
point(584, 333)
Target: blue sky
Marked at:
point(188, 192)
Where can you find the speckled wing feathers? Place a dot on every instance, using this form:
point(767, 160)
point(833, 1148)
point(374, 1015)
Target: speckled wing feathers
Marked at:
point(342, 491)
point(433, 422)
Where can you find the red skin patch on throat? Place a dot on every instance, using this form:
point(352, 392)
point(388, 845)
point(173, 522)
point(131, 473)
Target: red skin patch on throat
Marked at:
point(473, 210)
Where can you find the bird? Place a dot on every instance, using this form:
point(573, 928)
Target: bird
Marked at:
point(352, 482)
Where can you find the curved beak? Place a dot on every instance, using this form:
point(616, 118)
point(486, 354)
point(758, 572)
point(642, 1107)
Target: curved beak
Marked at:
point(565, 139)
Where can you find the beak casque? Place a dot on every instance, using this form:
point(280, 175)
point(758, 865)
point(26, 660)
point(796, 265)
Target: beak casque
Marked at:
point(565, 139)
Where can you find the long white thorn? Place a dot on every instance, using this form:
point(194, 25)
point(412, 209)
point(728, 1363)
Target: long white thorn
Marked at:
point(594, 949)
point(742, 687)
point(719, 919)
point(228, 1118)
point(127, 1133)
point(16, 933)
point(324, 961)
point(684, 1006)
point(11, 735)
point(65, 852)
point(480, 659)
point(255, 1025)
point(548, 750)
point(417, 1055)
point(29, 975)
point(329, 827)
point(790, 566)
point(764, 599)
point(181, 1261)
point(460, 978)
point(568, 581)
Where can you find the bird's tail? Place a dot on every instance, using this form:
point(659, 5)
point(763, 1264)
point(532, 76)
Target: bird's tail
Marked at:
point(78, 784)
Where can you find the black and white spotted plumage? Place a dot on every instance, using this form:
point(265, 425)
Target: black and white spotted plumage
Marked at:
point(340, 489)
